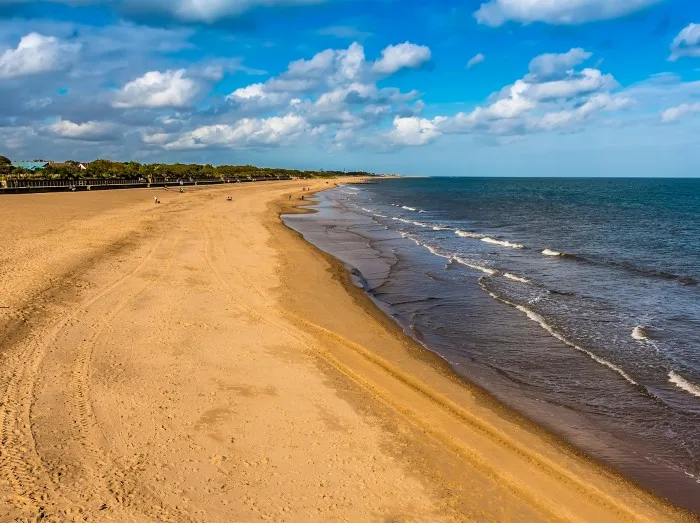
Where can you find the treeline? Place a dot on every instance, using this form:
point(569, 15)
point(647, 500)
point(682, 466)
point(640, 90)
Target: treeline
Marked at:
point(105, 169)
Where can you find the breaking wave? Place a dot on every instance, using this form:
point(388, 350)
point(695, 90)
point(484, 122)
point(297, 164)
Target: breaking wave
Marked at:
point(516, 278)
point(639, 333)
point(502, 243)
point(471, 265)
point(682, 383)
point(467, 234)
point(539, 319)
point(550, 252)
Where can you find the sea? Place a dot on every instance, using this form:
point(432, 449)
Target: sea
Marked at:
point(575, 302)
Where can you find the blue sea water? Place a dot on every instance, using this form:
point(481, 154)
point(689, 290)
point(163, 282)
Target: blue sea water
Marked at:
point(577, 301)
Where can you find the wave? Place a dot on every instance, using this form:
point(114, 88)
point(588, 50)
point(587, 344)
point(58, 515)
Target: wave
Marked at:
point(550, 252)
point(502, 243)
point(467, 234)
point(411, 222)
point(516, 278)
point(680, 278)
point(639, 333)
point(682, 383)
point(488, 239)
point(378, 215)
point(422, 211)
point(539, 319)
point(487, 270)
point(432, 250)
point(440, 228)
point(408, 208)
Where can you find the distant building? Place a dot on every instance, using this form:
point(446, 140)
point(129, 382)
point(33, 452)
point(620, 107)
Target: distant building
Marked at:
point(83, 166)
point(30, 166)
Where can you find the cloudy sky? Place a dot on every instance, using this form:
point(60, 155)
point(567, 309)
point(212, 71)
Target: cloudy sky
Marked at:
point(449, 87)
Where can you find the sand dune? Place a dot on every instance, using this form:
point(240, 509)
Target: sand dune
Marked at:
point(197, 361)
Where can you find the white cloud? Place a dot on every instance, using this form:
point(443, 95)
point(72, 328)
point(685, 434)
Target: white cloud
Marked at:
point(538, 103)
point(412, 131)
point(157, 89)
point(475, 60)
point(206, 11)
point(401, 56)
point(36, 54)
point(92, 131)
point(551, 65)
point(567, 118)
point(497, 12)
point(512, 105)
point(588, 81)
point(247, 132)
point(256, 96)
point(672, 114)
point(687, 43)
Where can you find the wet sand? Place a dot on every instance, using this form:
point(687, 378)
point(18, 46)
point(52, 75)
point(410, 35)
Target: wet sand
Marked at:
point(198, 361)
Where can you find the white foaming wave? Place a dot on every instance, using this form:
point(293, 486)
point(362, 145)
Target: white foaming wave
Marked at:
point(539, 319)
point(682, 383)
point(502, 243)
point(639, 333)
point(426, 246)
point(536, 317)
point(488, 271)
point(467, 234)
point(417, 224)
point(516, 278)
point(550, 252)
point(422, 211)
point(436, 252)
point(408, 208)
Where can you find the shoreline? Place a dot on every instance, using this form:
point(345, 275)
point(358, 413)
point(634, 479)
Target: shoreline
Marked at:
point(343, 273)
point(198, 360)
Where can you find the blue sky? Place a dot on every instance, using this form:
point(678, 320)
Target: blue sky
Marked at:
point(485, 87)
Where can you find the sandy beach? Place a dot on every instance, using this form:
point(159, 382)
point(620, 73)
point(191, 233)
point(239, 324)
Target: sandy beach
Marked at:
point(198, 361)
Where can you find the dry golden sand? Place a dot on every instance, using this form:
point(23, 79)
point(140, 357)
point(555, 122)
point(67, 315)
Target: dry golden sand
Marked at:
point(197, 361)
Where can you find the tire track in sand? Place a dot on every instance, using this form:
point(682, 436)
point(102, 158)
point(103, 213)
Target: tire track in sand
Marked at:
point(33, 488)
point(111, 480)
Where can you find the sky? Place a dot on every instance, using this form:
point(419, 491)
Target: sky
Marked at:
point(448, 87)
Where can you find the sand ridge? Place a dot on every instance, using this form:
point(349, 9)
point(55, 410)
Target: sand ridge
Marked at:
point(197, 361)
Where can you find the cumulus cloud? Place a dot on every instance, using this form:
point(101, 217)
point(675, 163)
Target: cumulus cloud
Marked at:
point(552, 65)
point(673, 114)
point(412, 131)
point(564, 12)
point(475, 60)
point(570, 117)
point(686, 43)
point(245, 133)
point(37, 54)
point(539, 103)
point(92, 131)
point(576, 84)
point(401, 56)
point(337, 78)
point(157, 90)
point(255, 96)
